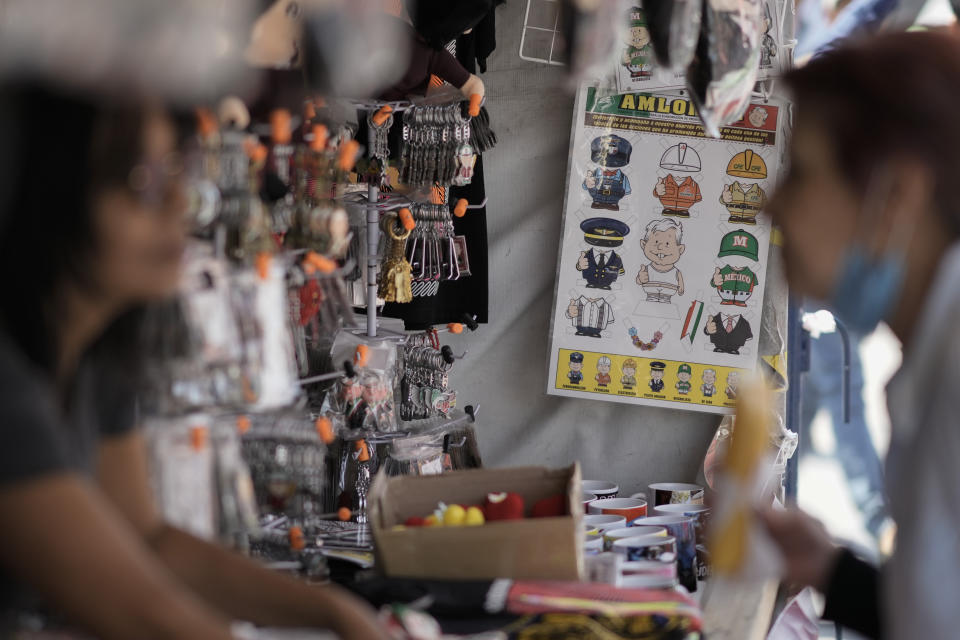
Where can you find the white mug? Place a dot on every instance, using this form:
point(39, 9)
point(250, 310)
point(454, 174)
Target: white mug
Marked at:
point(603, 489)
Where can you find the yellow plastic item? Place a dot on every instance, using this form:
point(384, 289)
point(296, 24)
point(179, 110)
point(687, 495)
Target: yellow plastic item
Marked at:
point(750, 439)
point(474, 517)
point(454, 516)
point(750, 442)
point(432, 521)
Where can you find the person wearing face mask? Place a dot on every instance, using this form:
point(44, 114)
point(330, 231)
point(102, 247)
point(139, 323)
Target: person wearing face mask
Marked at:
point(877, 167)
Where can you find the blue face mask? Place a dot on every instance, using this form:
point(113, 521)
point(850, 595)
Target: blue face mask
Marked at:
point(867, 289)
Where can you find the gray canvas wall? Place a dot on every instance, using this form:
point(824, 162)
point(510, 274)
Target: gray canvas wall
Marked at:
point(506, 371)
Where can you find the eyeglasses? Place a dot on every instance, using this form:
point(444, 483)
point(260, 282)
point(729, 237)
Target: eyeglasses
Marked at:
point(157, 182)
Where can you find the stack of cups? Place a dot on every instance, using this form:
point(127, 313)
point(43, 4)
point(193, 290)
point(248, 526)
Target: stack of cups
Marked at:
point(679, 509)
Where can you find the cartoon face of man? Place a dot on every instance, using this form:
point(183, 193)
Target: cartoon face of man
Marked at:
point(732, 379)
point(758, 117)
point(576, 367)
point(709, 377)
point(683, 376)
point(656, 375)
point(629, 372)
point(638, 37)
point(603, 365)
point(662, 243)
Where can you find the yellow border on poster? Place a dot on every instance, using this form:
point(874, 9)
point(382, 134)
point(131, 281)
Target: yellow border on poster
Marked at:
point(642, 389)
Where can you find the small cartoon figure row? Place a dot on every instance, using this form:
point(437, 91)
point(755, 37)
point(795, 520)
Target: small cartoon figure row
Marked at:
point(657, 369)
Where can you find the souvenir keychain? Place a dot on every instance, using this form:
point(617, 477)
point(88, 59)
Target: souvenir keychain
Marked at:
point(395, 272)
point(378, 126)
point(277, 180)
point(466, 159)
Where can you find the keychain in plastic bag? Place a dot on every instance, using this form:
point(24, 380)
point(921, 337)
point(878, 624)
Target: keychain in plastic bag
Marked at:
point(724, 71)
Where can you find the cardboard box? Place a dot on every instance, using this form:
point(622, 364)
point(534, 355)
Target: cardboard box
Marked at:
point(529, 549)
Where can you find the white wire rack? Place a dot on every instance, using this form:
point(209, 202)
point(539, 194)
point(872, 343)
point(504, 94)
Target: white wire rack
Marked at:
point(541, 38)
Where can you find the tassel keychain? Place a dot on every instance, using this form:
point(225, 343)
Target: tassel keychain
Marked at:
point(396, 272)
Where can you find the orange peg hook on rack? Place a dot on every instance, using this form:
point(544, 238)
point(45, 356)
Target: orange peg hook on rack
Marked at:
point(280, 131)
point(206, 122)
point(320, 137)
point(324, 428)
point(263, 262)
point(461, 207)
point(319, 263)
point(363, 451)
point(243, 424)
point(362, 355)
point(198, 438)
point(475, 100)
point(406, 219)
point(382, 114)
point(297, 540)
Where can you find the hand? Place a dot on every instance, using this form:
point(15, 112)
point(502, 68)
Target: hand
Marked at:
point(717, 278)
point(572, 309)
point(473, 85)
point(711, 327)
point(808, 552)
point(582, 262)
point(356, 620)
point(727, 196)
point(661, 188)
point(590, 180)
point(643, 277)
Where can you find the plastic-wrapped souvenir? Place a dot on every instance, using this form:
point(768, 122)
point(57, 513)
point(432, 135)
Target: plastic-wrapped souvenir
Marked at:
point(277, 374)
point(674, 27)
point(727, 61)
point(286, 457)
point(200, 480)
point(366, 400)
point(226, 341)
point(182, 473)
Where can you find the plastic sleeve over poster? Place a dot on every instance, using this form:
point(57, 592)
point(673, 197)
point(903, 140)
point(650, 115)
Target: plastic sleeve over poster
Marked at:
point(664, 248)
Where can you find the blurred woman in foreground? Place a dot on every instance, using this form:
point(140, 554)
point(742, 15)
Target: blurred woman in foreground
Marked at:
point(92, 229)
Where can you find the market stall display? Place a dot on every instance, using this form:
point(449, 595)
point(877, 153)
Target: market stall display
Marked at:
point(287, 418)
